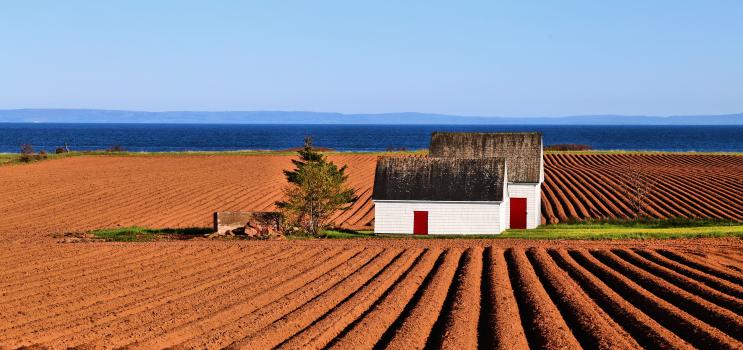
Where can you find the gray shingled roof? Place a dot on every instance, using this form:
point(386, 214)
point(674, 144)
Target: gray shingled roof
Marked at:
point(522, 150)
point(439, 179)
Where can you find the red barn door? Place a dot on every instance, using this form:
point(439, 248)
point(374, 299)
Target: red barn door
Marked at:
point(420, 222)
point(518, 213)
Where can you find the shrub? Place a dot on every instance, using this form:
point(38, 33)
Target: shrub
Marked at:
point(396, 149)
point(27, 149)
point(61, 149)
point(568, 147)
point(27, 153)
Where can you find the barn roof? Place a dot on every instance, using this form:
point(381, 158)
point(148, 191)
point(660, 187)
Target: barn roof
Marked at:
point(439, 179)
point(523, 150)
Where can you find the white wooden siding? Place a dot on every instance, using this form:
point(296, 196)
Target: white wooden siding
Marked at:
point(443, 217)
point(503, 223)
point(532, 193)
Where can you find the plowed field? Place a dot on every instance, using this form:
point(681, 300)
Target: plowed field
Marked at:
point(83, 193)
point(351, 294)
point(399, 294)
point(683, 185)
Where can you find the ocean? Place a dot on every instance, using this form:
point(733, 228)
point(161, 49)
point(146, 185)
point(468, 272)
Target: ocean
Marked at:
point(199, 137)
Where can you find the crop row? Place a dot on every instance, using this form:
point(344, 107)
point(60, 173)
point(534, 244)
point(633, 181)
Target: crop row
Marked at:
point(83, 193)
point(611, 186)
point(331, 296)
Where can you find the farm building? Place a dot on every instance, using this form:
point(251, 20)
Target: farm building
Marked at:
point(471, 183)
point(425, 195)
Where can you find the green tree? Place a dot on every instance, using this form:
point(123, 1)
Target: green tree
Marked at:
point(317, 189)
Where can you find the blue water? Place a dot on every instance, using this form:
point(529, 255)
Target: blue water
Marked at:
point(180, 137)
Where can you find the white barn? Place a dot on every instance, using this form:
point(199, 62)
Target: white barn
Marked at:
point(423, 195)
point(471, 183)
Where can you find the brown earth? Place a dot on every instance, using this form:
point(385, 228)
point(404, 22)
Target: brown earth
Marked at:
point(83, 193)
point(584, 186)
point(395, 293)
point(365, 293)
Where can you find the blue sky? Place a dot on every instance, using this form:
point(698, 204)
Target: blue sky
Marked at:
point(495, 58)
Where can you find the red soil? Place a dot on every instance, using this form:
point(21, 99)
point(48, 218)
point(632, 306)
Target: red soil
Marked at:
point(83, 193)
point(583, 186)
point(504, 294)
point(366, 293)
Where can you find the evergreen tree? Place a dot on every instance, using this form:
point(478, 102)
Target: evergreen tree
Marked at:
point(316, 190)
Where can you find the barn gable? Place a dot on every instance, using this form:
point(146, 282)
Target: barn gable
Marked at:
point(522, 150)
point(440, 179)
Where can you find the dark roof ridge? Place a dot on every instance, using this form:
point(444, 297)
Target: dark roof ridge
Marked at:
point(440, 179)
point(522, 149)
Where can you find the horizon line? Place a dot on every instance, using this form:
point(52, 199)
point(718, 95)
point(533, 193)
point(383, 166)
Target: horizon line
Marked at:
point(377, 114)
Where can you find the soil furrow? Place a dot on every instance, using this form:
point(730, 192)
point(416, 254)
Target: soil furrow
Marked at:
point(416, 325)
point(723, 319)
point(268, 314)
point(674, 319)
point(695, 263)
point(299, 319)
point(646, 331)
point(216, 310)
point(101, 291)
point(500, 322)
point(592, 327)
point(370, 327)
point(714, 282)
point(464, 311)
point(321, 332)
point(543, 324)
point(683, 282)
point(97, 320)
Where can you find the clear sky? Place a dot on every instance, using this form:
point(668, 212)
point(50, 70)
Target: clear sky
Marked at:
point(495, 58)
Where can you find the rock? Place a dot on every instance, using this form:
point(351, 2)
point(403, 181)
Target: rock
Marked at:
point(261, 225)
point(215, 235)
point(262, 229)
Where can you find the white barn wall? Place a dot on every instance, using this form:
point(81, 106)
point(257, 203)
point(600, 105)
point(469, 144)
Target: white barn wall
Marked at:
point(538, 208)
point(503, 224)
point(443, 217)
point(532, 193)
point(541, 165)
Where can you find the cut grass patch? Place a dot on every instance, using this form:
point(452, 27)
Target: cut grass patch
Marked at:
point(549, 232)
point(646, 222)
point(576, 231)
point(141, 234)
point(344, 234)
point(609, 231)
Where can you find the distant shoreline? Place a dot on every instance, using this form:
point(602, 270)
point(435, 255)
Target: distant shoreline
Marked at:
point(331, 118)
point(526, 125)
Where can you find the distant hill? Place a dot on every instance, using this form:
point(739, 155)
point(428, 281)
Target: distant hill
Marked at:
point(291, 117)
